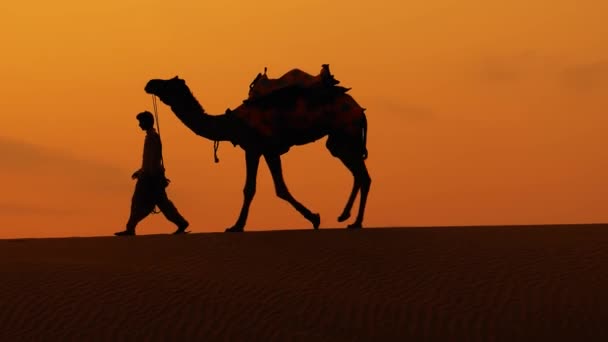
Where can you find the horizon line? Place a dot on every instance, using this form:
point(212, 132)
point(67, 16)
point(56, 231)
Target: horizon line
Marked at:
point(490, 226)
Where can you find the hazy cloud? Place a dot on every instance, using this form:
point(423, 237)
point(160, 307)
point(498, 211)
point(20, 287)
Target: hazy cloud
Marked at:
point(509, 68)
point(21, 154)
point(586, 76)
point(402, 111)
point(528, 65)
point(19, 209)
point(28, 160)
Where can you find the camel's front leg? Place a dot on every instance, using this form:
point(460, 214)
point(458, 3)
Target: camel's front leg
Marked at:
point(252, 160)
point(274, 164)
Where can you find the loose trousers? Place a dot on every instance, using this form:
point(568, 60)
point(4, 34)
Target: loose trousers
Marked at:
point(150, 192)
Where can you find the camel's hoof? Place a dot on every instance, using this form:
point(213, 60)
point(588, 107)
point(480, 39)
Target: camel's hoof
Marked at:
point(344, 217)
point(316, 221)
point(234, 230)
point(354, 226)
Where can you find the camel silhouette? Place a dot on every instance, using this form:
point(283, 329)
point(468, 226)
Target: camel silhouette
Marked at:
point(270, 125)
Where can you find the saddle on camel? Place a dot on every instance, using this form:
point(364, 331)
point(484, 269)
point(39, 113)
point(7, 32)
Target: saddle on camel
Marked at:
point(295, 78)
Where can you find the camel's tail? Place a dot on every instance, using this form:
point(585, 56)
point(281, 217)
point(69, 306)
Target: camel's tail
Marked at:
point(364, 135)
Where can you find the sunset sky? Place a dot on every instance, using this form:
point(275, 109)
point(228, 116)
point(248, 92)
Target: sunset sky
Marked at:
point(479, 112)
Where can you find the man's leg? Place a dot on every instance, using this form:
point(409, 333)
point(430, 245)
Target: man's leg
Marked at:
point(142, 204)
point(171, 213)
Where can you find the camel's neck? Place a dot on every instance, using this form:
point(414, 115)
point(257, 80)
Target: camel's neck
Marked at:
point(192, 114)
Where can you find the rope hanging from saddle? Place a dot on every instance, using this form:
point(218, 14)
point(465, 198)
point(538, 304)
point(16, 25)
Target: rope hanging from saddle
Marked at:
point(216, 146)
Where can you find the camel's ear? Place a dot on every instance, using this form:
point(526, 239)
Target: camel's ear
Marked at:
point(175, 78)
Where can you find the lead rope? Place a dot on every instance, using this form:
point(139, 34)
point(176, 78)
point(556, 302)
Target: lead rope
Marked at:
point(162, 163)
point(216, 144)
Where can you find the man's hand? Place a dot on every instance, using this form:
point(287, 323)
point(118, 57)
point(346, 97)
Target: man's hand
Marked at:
point(135, 174)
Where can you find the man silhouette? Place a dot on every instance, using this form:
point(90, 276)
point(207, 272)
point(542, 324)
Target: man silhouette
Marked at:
point(151, 183)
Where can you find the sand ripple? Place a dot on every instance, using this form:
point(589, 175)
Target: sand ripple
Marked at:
point(432, 284)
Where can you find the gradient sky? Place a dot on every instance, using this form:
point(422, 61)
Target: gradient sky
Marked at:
point(479, 112)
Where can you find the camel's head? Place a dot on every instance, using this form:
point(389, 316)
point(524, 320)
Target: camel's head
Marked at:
point(168, 91)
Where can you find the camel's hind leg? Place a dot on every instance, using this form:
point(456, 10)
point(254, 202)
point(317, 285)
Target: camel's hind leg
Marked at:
point(348, 151)
point(351, 199)
point(363, 180)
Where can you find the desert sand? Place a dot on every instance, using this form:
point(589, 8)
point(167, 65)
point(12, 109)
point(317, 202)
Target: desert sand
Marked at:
point(518, 283)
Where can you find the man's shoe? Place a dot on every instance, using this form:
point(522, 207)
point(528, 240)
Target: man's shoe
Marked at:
point(125, 233)
point(181, 229)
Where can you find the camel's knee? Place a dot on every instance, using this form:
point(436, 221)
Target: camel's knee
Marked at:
point(282, 193)
point(249, 191)
point(365, 180)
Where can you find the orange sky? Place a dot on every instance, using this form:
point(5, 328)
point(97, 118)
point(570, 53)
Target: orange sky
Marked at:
point(479, 112)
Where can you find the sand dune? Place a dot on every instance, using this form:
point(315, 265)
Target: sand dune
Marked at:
point(541, 283)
